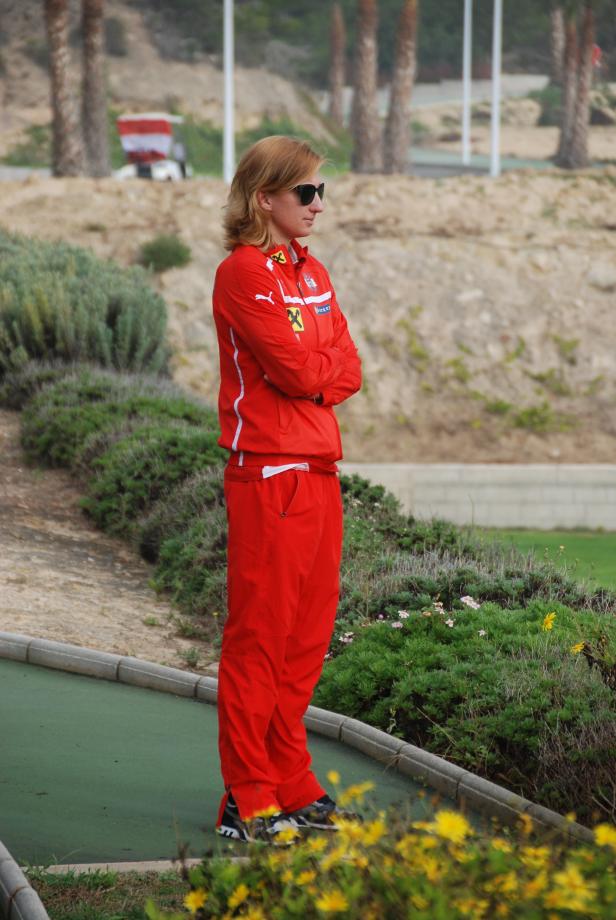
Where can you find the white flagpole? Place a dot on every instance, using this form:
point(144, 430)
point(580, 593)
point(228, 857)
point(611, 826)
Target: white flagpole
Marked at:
point(466, 82)
point(229, 130)
point(497, 42)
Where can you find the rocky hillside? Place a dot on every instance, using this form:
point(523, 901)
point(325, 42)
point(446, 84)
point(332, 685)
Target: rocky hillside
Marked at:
point(483, 309)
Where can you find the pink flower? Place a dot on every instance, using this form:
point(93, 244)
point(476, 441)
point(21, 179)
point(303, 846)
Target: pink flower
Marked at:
point(449, 623)
point(482, 632)
point(396, 625)
point(403, 614)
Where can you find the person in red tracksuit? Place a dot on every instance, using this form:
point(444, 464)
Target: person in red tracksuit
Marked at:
point(286, 359)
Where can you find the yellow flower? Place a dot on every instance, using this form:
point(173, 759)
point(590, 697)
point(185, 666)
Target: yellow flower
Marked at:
point(577, 648)
point(332, 858)
point(317, 844)
point(287, 876)
point(470, 907)
point(239, 896)
point(355, 792)
point(265, 812)
point(500, 844)
point(349, 831)
point(536, 885)
point(332, 902)
point(333, 777)
point(502, 910)
point(255, 913)
point(459, 853)
point(287, 836)
point(503, 884)
point(571, 883)
point(419, 902)
point(430, 867)
point(605, 835)
point(195, 899)
point(275, 859)
point(527, 824)
point(548, 622)
point(406, 845)
point(373, 832)
point(451, 825)
point(304, 878)
point(535, 857)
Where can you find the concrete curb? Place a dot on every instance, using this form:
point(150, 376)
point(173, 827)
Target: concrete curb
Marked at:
point(18, 900)
point(465, 788)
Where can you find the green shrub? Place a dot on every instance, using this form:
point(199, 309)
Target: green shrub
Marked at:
point(391, 868)
point(542, 419)
point(115, 37)
point(61, 303)
point(551, 100)
point(163, 252)
point(177, 511)
point(34, 150)
point(20, 384)
point(491, 690)
point(136, 471)
point(57, 422)
point(185, 533)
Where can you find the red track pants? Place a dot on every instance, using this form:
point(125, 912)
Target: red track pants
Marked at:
point(285, 542)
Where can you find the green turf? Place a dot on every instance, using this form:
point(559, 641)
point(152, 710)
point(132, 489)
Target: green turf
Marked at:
point(584, 554)
point(92, 771)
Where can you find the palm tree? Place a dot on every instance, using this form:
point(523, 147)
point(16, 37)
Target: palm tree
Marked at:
point(557, 44)
point(67, 156)
point(573, 143)
point(337, 67)
point(94, 97)
point(398, 126)
point(365, 124)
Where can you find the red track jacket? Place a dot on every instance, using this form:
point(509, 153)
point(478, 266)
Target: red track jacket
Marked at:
point(286, 355)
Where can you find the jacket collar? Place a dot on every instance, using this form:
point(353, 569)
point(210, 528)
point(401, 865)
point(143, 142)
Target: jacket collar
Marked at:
point(296, 255)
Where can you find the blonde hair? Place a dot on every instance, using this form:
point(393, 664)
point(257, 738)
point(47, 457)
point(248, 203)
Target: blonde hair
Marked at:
point(271, 165)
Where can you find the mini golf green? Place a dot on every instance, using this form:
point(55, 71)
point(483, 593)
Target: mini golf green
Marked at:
point(95, 771)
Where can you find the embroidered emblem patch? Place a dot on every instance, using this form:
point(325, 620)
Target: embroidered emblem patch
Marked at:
point(295, 318)
point(324, 308)
point(279, 257)
point(310, 282)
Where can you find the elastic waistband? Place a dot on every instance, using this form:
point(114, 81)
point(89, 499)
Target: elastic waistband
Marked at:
point(253, 462)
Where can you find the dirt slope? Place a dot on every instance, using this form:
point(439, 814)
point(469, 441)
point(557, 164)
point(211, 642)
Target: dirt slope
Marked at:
point(62, 579)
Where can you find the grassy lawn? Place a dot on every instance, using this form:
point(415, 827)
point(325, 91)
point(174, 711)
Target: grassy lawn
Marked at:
point(586, 554)
point(101, 895)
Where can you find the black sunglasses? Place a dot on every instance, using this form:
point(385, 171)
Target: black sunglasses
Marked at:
point(307, 192)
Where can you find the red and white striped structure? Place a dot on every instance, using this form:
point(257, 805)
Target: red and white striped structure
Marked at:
point(148, 136)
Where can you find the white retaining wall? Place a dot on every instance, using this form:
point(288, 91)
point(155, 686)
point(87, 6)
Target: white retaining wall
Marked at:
point(545, 496)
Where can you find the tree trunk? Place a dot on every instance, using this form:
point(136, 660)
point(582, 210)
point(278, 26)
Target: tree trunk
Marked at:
point(578, 153)
point(337, 66)
point(67, 155)
point(398, 128)
point(557, 45)
point(569, 88)
point(366, 126)
point(94, 96)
